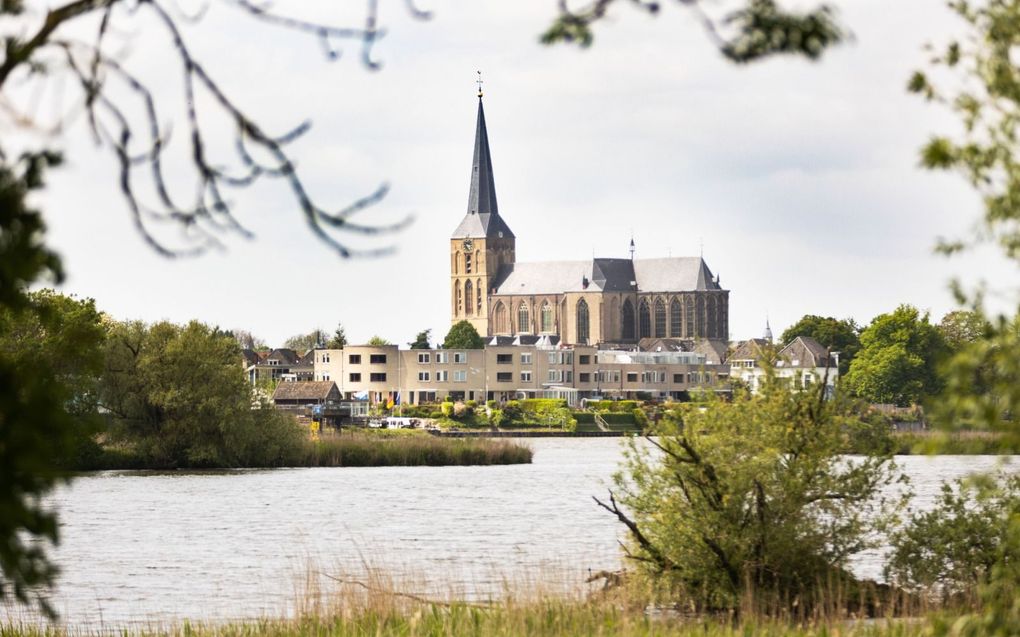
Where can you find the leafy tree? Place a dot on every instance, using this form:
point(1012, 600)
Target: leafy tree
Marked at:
point(463, 335)
point(339, 340)
point(754, 30)
point(421, 341)
point(841, 336)
point(304, 342)
point(378, 341)
point(179, 399)
point(898, 359)
point(953, 547)
point(752, 494)
point(961, 328)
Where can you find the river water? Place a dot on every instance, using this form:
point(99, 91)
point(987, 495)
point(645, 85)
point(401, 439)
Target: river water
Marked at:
point(159, 547)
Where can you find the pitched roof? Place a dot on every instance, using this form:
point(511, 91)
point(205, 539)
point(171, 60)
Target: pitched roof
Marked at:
point(285, 355)
point(805, 351)
point(482, 218)
point(304, 390)
point(673, 274)
point(713, 349)
point(749, 350)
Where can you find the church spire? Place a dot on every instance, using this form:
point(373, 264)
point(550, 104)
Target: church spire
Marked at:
point(482, 195)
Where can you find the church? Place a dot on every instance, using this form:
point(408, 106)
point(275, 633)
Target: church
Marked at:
point(606, 302)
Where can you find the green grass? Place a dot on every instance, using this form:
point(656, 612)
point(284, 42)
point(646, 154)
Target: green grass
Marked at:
point(955, 443)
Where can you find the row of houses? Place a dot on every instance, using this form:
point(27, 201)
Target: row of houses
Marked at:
point(505, 369)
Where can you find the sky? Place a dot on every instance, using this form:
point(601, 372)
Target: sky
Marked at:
point(797, 181)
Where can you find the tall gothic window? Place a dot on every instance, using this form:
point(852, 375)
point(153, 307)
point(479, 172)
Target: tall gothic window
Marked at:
point(456, 262)
point(701, 315)
point(478, 297)
point(523, 321)
point(675, 316)
point(469, 301)
point(644, 320)
point(460, 300)
point(660, 319)
point(689, 317)
point(499, 325)
point(582, 322)
point(547, 317)
point(627, 318)
point(467, 263)
point(713, 317)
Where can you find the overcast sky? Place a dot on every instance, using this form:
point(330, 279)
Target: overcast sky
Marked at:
point(799, 179)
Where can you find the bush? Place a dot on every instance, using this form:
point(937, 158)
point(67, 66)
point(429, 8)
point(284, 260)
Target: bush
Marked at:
point(491, 404)
point(436, 414)
point(752, 496)
point(640, 419)
point(446, 409)
point(495, 417)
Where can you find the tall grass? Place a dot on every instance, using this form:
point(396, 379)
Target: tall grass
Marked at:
point(364, 450)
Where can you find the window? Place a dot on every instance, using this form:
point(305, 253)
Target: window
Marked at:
point(631, 377)
point(354, 359)
point(325, 358)
point(653, 377)
point(660, 319)
point(325, 377)
point(584, 377)
point(582, 321)
point(273, 362)
point(423, 377)
point(526, 358)
point(674, 318)
point(499, 322)
point(467, 263)
point(689, 317)
point(523, 320)
point(355, 377)
point(609, 376)
point(442, 357)
point(504, 359)
point(547, 317)
point(504, 377)
point(377, 359)
point(377, 377)
point(644, 320)
point(568, 376)
point(584, 359)
point(478, 297)
point(555, 376)
point(442, 376)
point(627, 320)
point(469, 302)
point(458, 292)
point(561, 358)
point(459, 376)
point(552, 357)
point(460, 357)
point(525, 377)
point(424, 358)
point(678, 378)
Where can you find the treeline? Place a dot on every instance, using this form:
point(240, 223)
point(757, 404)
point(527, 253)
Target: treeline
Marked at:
point(897, 358)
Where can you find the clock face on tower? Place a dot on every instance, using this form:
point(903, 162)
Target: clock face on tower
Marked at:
point(468, 244)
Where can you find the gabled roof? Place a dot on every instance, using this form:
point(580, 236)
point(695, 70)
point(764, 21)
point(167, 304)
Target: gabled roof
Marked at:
point(482, 218)
point(673, 274)
point(805, 351)
point(749, 350)
point(250, 357)
point(285, 355)
point(304, 390)
point(713, 349)
point(652, 344)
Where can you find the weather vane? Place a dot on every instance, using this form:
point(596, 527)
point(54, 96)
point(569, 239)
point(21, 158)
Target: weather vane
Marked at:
point(479, 81)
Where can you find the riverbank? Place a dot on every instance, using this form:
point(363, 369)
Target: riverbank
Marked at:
point(348, 449)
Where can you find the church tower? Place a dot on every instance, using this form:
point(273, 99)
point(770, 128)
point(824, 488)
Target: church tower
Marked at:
point(481, 243)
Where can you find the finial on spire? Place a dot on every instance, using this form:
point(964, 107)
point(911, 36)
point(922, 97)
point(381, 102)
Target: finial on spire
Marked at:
point(479, 82)
point(632, 246)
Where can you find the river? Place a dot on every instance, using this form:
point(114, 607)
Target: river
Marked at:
point(146, 547)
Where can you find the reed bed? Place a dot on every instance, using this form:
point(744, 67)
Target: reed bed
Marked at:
point(370, 450)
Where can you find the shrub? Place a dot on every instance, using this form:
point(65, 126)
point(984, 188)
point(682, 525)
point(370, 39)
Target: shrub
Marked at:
point(446, 409)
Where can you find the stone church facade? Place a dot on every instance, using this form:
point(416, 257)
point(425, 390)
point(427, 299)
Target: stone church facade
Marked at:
point(599, 301)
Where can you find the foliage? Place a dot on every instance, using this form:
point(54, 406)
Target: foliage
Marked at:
point(754, 31)
point(339, 339)
point(626, 406)
point(50, 359)
point(837, 335)
point(961, 328)
point(446, 408)
point(421, 341)
point(751, 495)
point(463, 335)
point(177, 396)
point(247, 340)
point(378, 341)
point(301, 343)
point(898, 359)
point(952, 548)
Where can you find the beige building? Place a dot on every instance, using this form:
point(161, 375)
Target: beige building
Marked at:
point(595, 301)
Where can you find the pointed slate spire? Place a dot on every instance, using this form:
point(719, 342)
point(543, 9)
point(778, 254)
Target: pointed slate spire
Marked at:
point(482, 196)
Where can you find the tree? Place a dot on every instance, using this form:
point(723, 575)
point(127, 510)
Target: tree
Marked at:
point(463, 335)
point(304, 342)
point(421, 341)
point(752, 495)
point(841, 336)
point(378, 341)
point(247, 340)
point(898, 359)
point(178, 398)
point(961, 328)
point(50, 359)
point(339, 340)
point(755, 30)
